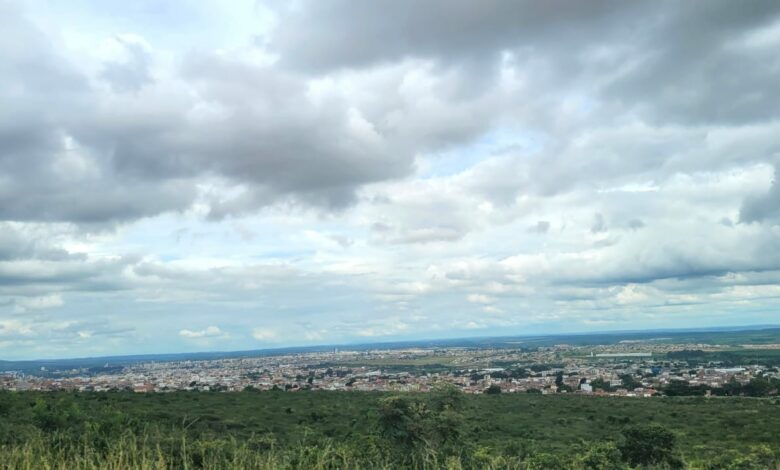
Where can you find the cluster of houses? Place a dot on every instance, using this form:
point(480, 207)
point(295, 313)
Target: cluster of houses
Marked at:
point(547, 370)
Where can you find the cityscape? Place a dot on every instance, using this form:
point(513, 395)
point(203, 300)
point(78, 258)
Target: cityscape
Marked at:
point(389, 234)
point(630, 368)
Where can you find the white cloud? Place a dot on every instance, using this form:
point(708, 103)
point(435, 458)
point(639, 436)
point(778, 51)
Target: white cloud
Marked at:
point(264, 334)
point(24, 304)
point(208, 332)
point(11, 328)
point(480, 299)
point(330, 193)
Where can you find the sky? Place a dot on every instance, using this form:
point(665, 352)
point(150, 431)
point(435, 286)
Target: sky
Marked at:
point(207, 175)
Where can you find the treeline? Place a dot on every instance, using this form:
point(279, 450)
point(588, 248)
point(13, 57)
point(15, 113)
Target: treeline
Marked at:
point(767, 357)
point(760, 386)
point(757, 387)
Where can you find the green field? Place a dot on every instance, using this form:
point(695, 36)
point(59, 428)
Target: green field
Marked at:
point(341, 429)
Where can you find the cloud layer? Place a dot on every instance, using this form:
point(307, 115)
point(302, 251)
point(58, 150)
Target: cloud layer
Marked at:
point(266, 173)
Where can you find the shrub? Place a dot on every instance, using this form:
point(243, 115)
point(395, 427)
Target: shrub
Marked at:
point(650, 445)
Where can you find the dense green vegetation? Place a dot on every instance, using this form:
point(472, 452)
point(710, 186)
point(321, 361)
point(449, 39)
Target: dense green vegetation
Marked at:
point(445, 429)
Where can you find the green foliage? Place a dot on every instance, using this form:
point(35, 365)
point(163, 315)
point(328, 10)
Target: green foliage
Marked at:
point(401, 419)
point(546, 461)
point(650, 445)
point(629, 382)
point(5, 404)
point(493, 390)
point(759, 457)
point(681, 388)
point(760, 387)
point(600, 384)
point(416, 422)
point(62, 415)
point(442, 429)
point(603, 456)
point(543, 367)
point(559, 379)
point(445, 396)
point(519, 373)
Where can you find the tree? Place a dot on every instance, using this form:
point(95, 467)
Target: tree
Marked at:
point(758, 387)
point(412, 422)
point(562, 387)
point(546, 461)
point(650, 445)
point(629, 382)
point(602, 456)
point(599, 383)
point(559, 379)
point(682, 388)
point(519, 373)
point(493, 390)
point(446, 396)
point(732, 387)
point(5, 406)
point(400, 420)
point(759, 457)
point(61, 415)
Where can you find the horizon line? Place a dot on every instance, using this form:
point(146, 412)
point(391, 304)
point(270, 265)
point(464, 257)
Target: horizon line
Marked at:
point(754, 327)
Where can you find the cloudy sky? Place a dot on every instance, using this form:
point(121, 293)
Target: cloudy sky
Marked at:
point(209, 175)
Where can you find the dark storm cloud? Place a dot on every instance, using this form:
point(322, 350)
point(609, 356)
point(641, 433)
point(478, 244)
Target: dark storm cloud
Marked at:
point(277, 139)
point(676, 68)
point(44, 174)
point(264, 134)
point(92, 201)
point(33, 262)
point(686, 260)
point(765, 206)
point(542, 226)
point(678, 62)
point(701, 66)
point(15, 244)
point(68, 152)
point(132, 73)
point(317, 36)
point(75, 274)
point(71, 151)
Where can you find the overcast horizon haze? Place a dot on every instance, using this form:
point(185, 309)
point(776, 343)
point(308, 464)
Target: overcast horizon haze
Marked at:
point(397, 344)
point(210, 176)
